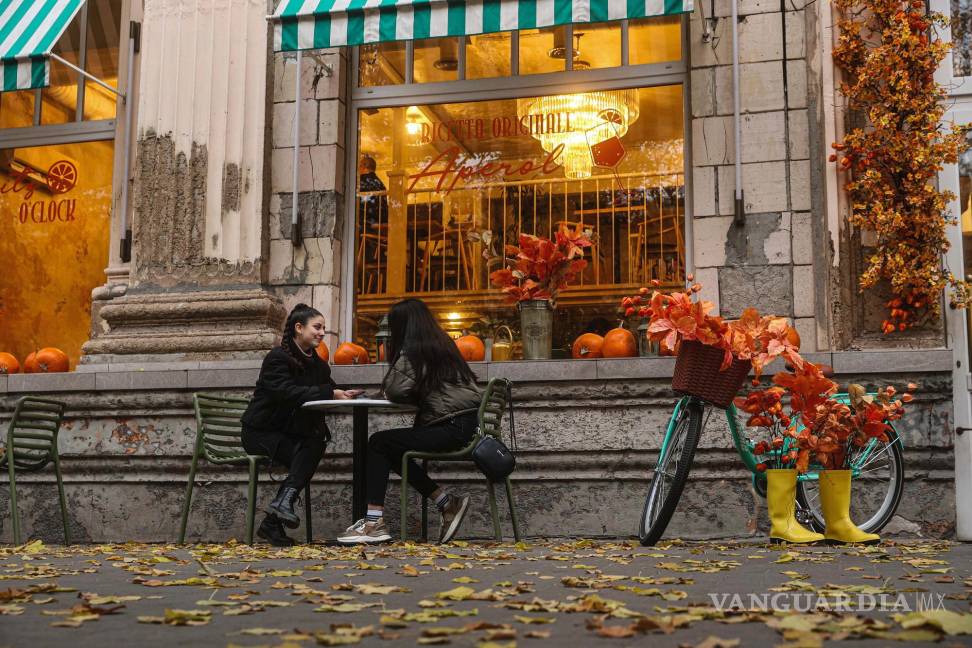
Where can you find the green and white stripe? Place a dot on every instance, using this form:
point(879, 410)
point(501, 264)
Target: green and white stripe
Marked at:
point(28, 31)
point(312, 24)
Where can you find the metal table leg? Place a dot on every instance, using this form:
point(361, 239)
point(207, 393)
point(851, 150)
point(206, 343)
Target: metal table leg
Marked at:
point(359, 495)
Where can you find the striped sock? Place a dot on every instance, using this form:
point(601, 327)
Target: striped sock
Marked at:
point(373, 515)
point(442, 501)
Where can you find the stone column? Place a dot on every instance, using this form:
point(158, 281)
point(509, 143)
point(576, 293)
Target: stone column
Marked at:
point(199, 192)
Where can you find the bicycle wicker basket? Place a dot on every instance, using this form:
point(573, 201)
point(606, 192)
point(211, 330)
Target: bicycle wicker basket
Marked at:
point(697, 374)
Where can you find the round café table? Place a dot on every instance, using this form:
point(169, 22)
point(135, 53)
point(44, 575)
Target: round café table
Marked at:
point(359, 427)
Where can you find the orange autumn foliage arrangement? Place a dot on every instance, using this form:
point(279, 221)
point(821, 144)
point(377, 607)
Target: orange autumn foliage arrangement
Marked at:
point(824, 430)
point(680, 316)
point(539, 268)
point(889, 53)
point(797, 404)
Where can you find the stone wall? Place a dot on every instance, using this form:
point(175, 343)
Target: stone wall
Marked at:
point(310, 271)
point(766, 262)
point(587, 431)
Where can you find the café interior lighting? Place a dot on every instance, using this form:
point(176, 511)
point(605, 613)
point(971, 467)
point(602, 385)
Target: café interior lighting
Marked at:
point(578, 122)
point(413, 125)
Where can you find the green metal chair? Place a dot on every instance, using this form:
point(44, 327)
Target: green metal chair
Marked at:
point(497, 398)
point(31, 445)
point(219, 439)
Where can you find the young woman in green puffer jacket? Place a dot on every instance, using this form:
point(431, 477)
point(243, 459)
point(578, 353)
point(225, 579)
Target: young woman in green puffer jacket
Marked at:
point(426, 370)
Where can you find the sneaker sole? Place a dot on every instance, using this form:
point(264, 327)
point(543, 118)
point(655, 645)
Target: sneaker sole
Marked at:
point(456, 521)
point(364, 539)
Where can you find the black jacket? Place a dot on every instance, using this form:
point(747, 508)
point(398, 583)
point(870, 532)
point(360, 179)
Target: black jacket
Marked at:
point(280, 391)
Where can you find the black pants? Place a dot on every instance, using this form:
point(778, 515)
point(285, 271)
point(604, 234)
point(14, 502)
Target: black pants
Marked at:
point(300, 454)
point(385, 450)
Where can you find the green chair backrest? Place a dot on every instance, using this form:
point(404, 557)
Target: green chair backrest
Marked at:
point(496, 398)
point(32, 433)
point(218, 427)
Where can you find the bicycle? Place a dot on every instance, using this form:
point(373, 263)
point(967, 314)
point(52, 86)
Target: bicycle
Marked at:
point(876, 497)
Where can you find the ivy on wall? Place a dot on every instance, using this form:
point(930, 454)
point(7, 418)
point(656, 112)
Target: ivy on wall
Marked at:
point(889, 56)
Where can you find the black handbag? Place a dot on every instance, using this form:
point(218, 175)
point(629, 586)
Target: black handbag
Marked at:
point(492, 457)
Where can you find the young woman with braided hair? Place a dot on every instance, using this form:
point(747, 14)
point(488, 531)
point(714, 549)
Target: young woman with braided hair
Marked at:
point(274, 423)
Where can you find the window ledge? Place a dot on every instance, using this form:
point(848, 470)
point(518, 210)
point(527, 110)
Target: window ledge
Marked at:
point(243, 375)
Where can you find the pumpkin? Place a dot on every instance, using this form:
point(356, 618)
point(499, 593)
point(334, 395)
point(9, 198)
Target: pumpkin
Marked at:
point(588, 345)
point(349, 353)
point(51, 360)
point(471, 348)
point(30, 363)
point(322, 351)
point(8, 364)
point(619, 343)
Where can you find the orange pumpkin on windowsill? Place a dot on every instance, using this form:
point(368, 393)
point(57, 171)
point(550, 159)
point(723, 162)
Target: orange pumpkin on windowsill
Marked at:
point(587, 346)
point(619, 343)
point(349, 353)
point(471, 348)
point(51, 360)
point(8, 364)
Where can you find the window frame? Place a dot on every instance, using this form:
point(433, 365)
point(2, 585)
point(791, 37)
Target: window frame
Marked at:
point(511, 87)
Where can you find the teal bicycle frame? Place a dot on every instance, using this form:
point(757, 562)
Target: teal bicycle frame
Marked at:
point(744, 447)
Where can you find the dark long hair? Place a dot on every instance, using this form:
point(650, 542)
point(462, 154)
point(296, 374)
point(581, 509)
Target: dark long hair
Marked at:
point(302, 313)
point(432, 353)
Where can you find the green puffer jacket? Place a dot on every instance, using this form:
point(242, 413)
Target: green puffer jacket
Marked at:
point(449, 400)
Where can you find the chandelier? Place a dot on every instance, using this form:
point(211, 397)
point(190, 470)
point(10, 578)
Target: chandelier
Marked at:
point(578, 123)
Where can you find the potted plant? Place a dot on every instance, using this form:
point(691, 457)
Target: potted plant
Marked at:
point(823, 431)
point(533, 273)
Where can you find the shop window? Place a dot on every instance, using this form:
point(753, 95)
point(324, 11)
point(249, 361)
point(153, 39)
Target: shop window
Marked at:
point(654, 40)
point(104, 31)
point(436, 59)
point(526, 167)
point(961, 38)
point(59, 101)
point(597, 46)
point(97, 53)
point(381, 65)
point(56, 201)
point(488, 55)
point(17, 109)
point(543, 50)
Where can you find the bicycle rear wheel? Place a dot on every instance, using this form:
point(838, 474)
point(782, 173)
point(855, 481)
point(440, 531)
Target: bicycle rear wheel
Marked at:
point(877, 485)
point(671, 472)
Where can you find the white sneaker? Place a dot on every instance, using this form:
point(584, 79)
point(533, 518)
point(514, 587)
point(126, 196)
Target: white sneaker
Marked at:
point(452, 516)
point(364, 531)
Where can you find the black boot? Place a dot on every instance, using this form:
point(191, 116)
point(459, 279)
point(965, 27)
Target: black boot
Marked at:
point(283, 506)
point(272, 531)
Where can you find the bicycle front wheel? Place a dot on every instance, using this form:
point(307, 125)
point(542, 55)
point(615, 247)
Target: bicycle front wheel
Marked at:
point(671, 472)
point(878, 479)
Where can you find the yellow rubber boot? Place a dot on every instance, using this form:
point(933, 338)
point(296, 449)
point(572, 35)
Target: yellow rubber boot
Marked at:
point(781, 502)
point(835, 494)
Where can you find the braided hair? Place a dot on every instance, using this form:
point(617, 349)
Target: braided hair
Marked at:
point(302, 313)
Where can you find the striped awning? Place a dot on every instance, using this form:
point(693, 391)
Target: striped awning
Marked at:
point(28, 31)
point(312, 24)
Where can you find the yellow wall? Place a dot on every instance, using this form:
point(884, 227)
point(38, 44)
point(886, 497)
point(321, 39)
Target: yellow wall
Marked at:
point(48, 269)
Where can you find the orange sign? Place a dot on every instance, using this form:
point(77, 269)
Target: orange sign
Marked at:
point(451, 163)
point(62, 176)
